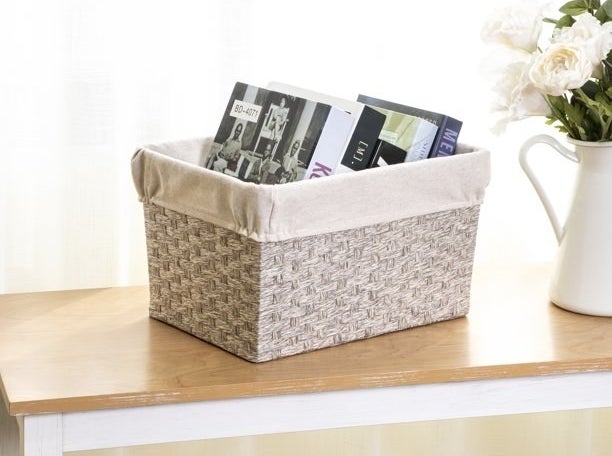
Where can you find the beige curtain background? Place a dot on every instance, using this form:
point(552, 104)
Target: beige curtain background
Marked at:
point(83, 83)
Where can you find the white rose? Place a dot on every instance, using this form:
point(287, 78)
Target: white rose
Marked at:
point(587, 32)
point(559, 68)
point(517, 98)
point(515, 26)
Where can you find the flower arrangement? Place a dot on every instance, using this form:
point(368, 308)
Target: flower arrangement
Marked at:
point(566, 78)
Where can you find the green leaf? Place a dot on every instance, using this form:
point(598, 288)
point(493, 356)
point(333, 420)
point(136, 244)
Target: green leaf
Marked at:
point(602, 14)
point(595, 4)
point(549, 20)
point(558, 115)
point(575, 113)
point(607, 7)
point(556, 106)
point(562, 129)
point(565, 21)
point(604, 106)
point(574, 7)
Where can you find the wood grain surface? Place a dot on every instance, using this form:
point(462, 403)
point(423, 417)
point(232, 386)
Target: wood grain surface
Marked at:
point(94, 349)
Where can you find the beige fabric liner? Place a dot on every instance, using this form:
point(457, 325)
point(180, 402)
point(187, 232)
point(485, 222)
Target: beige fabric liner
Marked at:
point(169, 176)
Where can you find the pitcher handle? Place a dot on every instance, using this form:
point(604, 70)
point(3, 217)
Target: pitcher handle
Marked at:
point(562, 150)
point(565, 152)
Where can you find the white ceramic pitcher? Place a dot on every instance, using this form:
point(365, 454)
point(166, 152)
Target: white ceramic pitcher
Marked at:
point(582, 277)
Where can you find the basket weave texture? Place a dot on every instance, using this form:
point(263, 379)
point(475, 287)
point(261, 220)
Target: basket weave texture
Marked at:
point(266, 300)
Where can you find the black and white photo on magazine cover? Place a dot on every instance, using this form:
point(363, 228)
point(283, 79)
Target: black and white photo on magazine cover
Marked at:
point(266, 137)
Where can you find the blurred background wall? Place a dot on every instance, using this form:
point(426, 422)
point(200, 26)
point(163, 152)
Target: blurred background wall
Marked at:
point(84, 83)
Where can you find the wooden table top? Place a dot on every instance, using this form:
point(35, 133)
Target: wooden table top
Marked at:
point(93, 349)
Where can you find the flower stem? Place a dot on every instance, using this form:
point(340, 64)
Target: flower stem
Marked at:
point(590, 105)
point(606, 130)
point(560, 116)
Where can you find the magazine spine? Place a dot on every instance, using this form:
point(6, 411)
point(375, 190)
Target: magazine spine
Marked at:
point(360, 147)
point(445, 143)
point(330, 145)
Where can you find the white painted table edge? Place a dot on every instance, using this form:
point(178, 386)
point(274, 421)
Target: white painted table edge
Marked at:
point(52, 434)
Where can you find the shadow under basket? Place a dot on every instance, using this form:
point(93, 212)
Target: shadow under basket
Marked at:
point(266, 300)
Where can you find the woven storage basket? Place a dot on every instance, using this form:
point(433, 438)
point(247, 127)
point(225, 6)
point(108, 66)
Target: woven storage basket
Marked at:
point(262, 299)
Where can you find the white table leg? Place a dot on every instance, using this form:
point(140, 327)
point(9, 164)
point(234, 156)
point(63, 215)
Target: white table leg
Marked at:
point(42, 435)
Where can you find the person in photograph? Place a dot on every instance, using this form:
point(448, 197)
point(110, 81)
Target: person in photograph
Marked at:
point(278, 118)
point(288, 168)
point(266, 165)
point(229, 153)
